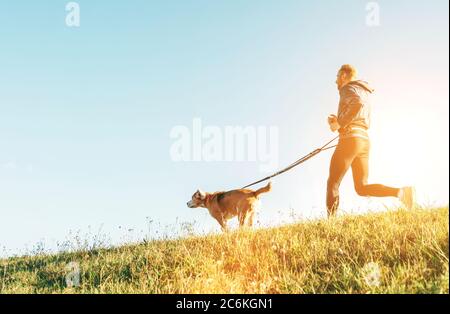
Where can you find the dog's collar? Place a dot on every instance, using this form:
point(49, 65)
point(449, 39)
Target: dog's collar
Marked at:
point(210, 197)
point(207, 200)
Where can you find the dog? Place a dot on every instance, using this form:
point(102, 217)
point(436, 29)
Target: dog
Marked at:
point(224, 206)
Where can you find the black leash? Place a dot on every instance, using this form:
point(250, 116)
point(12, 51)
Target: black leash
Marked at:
point(296, 163)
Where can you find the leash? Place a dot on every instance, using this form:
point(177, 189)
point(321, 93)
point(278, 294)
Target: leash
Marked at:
point(296, 163)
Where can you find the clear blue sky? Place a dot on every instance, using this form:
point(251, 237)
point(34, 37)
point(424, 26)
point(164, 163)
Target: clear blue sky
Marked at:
point(86, 113)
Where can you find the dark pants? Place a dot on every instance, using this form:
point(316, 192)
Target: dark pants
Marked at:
point(352, 152)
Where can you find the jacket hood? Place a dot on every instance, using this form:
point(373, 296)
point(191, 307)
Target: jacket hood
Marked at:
point(362, 84)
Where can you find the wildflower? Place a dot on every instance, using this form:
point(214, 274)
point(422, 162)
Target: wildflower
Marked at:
point(263, 286)
point(372, 274)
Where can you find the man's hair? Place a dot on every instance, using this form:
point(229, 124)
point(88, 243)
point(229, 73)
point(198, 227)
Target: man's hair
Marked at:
point(349, 70)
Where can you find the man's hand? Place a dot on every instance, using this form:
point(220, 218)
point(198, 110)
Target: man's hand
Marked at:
point(333, 122)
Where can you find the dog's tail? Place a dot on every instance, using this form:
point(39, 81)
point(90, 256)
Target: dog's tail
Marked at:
point(265, 189)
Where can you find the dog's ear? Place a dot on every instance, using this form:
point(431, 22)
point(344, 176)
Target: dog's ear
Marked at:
point(201, 194)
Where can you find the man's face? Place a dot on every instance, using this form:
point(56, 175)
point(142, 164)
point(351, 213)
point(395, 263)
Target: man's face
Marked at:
point(341, 80)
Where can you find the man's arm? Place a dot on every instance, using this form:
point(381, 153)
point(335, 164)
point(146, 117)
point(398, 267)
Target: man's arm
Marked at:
point(352, 105)
point(333, 123)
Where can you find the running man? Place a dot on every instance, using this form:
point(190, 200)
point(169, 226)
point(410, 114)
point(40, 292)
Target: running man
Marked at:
point(352, 122)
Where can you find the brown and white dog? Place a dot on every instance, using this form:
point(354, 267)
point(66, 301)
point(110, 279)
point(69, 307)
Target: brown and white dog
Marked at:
point(226, 205)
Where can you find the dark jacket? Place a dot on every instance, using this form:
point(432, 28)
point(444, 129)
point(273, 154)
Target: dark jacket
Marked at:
point(354, 109)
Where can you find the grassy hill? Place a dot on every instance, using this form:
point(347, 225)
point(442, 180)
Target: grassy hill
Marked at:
point(393, 252)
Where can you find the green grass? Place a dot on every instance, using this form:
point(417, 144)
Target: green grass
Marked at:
point(393, 252)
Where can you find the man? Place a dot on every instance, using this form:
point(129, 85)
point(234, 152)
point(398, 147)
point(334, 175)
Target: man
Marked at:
point(352, 122)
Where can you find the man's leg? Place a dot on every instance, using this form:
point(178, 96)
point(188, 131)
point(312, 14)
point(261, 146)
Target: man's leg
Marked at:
point(360, 169)
point(340, 162)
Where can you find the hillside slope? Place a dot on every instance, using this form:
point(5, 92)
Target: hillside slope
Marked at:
point(393, 252)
